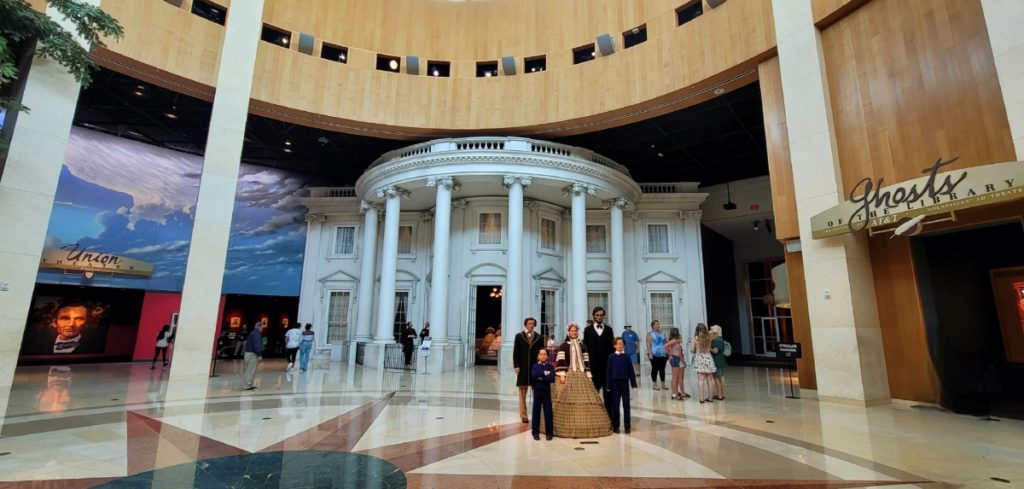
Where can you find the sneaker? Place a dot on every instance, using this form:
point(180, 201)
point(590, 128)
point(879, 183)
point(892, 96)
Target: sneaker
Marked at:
point(655, 387)
point(249, 388)
point(290, 365)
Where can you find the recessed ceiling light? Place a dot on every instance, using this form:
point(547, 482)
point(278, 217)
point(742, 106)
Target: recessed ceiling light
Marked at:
point(661, 155)
point(719, 91)
point(287, 142)
point(436, 73)
point(652, 146)
point(140, 87)
point(393, 64)
point(170, 115)
point(138, 93)
point(487, 74)
point(287, 150)
point(284, 41)
point(342, 56)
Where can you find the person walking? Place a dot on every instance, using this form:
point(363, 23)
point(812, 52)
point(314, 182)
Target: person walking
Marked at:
point(253, 350)
point(163, 341)
point(718, 351)
point(656, 354)
point(305, 347)
point(292, 337)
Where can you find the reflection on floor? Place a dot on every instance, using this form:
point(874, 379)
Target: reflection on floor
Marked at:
point(122, 425)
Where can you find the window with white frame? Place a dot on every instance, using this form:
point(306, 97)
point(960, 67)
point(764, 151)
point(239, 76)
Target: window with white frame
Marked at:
point(547, 312)
point(337, 316)
point(345, 240)
point(404, 240)
point(657, 238)
point(547, 234)
point(597, 299)
point(662, 308)
point(597, 238)
point(490, 228)
point(401, 312)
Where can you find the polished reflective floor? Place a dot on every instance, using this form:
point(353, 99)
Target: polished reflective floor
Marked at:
point(122, 425)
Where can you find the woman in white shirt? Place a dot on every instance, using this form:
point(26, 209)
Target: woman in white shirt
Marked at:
point(163, 341)
point(292, 337)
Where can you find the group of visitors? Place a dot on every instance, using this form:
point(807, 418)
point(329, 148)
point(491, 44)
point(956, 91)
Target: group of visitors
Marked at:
point(565, 393)
point(298, 343)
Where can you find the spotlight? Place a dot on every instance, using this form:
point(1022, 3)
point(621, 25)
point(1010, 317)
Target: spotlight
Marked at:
point(342, 56)
point(661, 155)
point(287, 142)
point(289, 150)
point(393, 64)
point(768, 226)
point(719, 91)
point(435, 72)
point(138, 93)
point(284, 41)
point(170, 115)
point(322, 140)
point(487, 74)
point(729, 205)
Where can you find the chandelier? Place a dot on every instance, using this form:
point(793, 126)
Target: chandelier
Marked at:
point(496, 293)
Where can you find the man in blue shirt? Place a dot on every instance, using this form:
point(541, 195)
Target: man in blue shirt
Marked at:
point(253, 349)
point(632, 341)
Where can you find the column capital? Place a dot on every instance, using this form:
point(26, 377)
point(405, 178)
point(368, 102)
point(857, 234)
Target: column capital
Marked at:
point(532, 205)
point(446, 180)
point(509, 180)
point(365, 206)
point(426, 215)
point(620, 202)
point(393, 191)
point(696, 215)
point(459, 203)
point(316, 218)
point(577, 187)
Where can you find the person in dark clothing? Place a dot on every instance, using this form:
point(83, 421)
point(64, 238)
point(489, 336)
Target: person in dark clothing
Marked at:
point(163, 340)
point(408, 342)
point(598, 338)
point(425, 333)
point(253, 350)
point(620, 371)
point(524, 354)
point(542, 375)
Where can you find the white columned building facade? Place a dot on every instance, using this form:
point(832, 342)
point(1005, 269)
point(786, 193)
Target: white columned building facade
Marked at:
point(492, 258)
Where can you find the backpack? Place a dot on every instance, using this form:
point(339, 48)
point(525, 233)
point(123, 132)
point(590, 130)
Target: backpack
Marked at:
point(728, 349)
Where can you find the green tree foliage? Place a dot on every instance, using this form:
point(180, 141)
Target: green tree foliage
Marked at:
point(23, 28)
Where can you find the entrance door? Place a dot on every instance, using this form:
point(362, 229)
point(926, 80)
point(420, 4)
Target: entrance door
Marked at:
point(485, 314)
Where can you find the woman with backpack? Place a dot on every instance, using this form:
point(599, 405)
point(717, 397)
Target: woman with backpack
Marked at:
point(719, 350)
point(163, 341)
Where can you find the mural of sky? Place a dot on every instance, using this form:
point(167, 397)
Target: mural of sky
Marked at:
point(136, 200)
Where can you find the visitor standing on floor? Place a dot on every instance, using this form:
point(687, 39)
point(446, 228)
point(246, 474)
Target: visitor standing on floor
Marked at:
point(524, 353)
point(292, 337)
point(599, 338)
point(620, 378)
point(702, 362)
point(425, 333)
point(305, 347)
point(408, 342)
point(656, 354)
point(163, 341)
point(542, 375)
point(632, 341)
point(719, 351)
point(674, 347)
point(580, 412)
point(253, 350)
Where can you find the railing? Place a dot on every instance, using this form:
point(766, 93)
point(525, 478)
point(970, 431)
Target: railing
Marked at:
point(394, 357)
point(360, 353)
point(668, 188)
point(487, 143)
point(322, 192)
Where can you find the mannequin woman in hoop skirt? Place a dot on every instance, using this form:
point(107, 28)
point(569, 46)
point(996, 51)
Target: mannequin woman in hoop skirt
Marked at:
point(579, 410)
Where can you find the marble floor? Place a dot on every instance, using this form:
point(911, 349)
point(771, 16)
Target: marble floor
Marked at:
point(123, 425)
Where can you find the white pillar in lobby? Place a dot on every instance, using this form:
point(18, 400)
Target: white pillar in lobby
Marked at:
point(695, 301)
point(1003, 19)
point(308, 296)
point(204, 272)
point(849, 360)
point(617, 314)
point(28, 181)
point(374, 354)
point(439, 271)
point(367, 272)
point(578, 306)
point(513, 293)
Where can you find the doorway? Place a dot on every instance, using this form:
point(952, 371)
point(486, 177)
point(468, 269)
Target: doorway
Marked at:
point(487, 323)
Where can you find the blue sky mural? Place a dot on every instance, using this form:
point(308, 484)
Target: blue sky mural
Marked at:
point(133, 199)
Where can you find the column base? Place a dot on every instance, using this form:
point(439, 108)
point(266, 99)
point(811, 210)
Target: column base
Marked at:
point(505, 359)
point(373, 356)
point(442, 359)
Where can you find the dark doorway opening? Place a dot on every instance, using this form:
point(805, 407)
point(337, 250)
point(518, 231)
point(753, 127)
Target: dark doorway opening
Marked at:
point(488, 323)
point(965, 340)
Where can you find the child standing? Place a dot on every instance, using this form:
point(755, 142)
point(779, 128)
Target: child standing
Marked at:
point(542, 375)
point(620, 371)
point(702, 361)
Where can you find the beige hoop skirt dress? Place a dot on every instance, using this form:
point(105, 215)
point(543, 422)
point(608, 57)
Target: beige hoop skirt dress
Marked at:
point(578, 408)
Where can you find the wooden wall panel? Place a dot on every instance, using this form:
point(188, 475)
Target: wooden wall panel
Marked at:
point(161, 36)
point(911, 81)
point(780, 168)
point(801, 319)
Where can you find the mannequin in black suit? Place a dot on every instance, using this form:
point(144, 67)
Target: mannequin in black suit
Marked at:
point(599, 340)
point(524, 354)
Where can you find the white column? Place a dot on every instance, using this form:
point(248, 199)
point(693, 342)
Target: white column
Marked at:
point(439, 268)
point(513, 294)
point(204, 272)
point(849, 359)
point(388, 265)
point(1003, 19)
point(618, 299)
point(695, 299)
point(309, 295)
point(27, 186)
point(578, 304)
point(367, 271)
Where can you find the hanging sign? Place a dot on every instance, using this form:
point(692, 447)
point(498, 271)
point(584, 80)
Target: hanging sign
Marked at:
point(871, 204)
point(81, 259)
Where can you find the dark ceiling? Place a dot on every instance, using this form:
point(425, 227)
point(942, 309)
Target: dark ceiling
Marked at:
point(713, 142)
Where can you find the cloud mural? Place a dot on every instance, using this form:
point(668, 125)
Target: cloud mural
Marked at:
point(133, 199)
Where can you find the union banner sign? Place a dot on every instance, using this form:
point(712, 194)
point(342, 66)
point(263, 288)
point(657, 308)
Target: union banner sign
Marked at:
point(72, 257)
point(871, 204)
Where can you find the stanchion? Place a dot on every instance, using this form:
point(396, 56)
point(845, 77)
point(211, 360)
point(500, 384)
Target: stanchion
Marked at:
point(789, 375)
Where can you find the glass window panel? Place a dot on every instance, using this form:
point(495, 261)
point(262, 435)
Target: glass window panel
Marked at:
point(345, 240)
point(337, 317)
point(404, 240)
point(662, 309)
point(490, 228)
point(597, 241)
point(547, 234)
point(401, 312)
point(657, 238)
point(595, 299)
point(547, 311)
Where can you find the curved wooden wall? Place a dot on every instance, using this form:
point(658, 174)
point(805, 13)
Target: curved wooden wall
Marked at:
point(669, 71)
